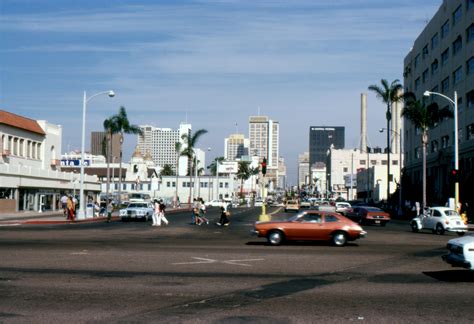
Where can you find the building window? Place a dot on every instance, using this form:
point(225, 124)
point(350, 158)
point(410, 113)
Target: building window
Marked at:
point(434, 41)
point(435, 89)
point(417, 83)
point(417, 152)
point(394, 162)
point(445, 85)
point(470, 66)
point(384, 162)
point(227, 185)
point(444, 141)
point(470, 131)
point(417, 60)
point(425, 75)
point(434, 146)
point(469, 4)
point(345, 170)
point(434, 67)
point(220, 185)
point(362, 162)
point(445, 29)
point(425, 52)
point(445, 57)
point(457, 75)
point(470, 99)
point(124, 186)
point(470, 33)
point(457, 45)
point(460, 105)
point(174, 184)
point(168, 184)
point(457, 15)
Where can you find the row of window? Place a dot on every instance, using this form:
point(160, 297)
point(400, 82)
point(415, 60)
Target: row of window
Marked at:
point(172, 184)
point(21, 147)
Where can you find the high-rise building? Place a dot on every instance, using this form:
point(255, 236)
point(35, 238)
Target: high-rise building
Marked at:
point(442, 60)
point(235, 146)
point(303, 169)
point(321, 138)
point(99, 145)
point(161, 144)
point(264, 137)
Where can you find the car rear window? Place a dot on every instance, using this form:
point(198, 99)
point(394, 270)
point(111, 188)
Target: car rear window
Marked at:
point(451, 213)
point(137, 206)
point(330, 219)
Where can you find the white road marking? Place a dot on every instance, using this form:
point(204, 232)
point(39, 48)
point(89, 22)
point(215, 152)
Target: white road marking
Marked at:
point(84, 252)
point(208, 261)
point(15, 224)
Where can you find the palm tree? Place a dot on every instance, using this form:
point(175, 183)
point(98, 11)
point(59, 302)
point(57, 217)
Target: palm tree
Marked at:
point(213, 166)
point(191, 141)
point(178, 148)
point(167, 171)
point(243, 173)
point(388, 93)
point(110, 128)
point(423, 118)
point(122, 125)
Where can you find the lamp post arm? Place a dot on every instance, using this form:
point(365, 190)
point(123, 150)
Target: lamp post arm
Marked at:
point(442, 95)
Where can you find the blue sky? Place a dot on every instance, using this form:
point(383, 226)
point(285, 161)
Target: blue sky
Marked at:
point(302, 62)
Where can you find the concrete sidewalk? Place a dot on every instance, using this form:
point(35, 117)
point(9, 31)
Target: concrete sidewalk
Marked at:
point(57, 217)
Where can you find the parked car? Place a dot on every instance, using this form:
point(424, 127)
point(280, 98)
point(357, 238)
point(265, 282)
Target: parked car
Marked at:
point(439, 220)
point(368, 215)
point(137, 210)
point(258, 202)
point(311, 225)
point(343, 207)
point(305, 204)
point(461, 252)
point(293, 205)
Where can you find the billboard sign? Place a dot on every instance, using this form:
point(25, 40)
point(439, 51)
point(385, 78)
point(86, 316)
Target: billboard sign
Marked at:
point(228, 167)
point(74, 162)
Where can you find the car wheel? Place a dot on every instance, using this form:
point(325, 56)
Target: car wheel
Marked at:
point(439, 229)
point(460, 233)
point(275, 237)
point(414, 227)
point(339, 239)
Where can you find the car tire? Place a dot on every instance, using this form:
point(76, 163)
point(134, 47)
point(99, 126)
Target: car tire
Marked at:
point(275, 237)
point(414, 227)
point(439, 229)
point(339, 239)
point(461, 233)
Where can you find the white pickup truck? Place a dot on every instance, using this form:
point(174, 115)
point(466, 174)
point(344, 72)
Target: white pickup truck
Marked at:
point(461, 252)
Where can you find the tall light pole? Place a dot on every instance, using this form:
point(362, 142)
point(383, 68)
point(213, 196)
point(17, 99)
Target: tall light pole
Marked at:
point(456, 144)
point(399, 134)
point(85, 100)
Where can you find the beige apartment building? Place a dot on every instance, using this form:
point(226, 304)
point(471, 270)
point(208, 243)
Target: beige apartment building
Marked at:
point(442, 60)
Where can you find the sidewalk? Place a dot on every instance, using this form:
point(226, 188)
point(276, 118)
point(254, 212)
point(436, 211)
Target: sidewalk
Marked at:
point(57, 217)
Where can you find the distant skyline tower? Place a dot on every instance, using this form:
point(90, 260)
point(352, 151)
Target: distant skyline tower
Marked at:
point(320, 140)
point(235, 146)
point(98, 142)
point(264, 137)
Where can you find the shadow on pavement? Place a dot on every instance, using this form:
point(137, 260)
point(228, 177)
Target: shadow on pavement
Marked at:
point(452, 275)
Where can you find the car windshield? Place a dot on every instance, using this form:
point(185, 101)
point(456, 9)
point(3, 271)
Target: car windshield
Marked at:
point(373, 209)
point(133, 205)
point(295, 218)
point(451, 213)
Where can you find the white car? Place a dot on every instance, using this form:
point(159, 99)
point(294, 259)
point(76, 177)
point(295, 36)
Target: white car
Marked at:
point(215, 203)
point(137, 210)
point(461, 252)
point(439, 220)
point(258, 202)
point(343, 207)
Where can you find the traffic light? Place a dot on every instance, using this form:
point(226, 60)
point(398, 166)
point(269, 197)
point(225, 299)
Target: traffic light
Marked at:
point(455, 175)
point(264, 166)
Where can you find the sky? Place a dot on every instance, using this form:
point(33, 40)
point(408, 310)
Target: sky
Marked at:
point(212, 63)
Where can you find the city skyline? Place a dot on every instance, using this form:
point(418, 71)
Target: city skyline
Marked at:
point(211, 63)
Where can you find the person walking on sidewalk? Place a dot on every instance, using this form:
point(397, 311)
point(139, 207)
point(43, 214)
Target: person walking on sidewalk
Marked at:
point(110, 209)
point(64, 205)
point(161, 215)
point(156, 221)
point(70, 209)
point(202, 212)
point(224, 220)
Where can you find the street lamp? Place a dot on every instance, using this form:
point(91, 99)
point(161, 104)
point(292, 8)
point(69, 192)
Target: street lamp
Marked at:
point(456, 144)
point(111, 94)
point(399, 134)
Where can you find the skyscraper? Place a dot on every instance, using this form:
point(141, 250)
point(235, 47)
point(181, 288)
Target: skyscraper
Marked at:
point(235, 146)
point(99, 145)
point(320, 140)
point(161, 144)
point(264, 137)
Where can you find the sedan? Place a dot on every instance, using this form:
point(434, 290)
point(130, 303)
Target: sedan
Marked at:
point(369, 215)
point(137, 210)
point(311, 225)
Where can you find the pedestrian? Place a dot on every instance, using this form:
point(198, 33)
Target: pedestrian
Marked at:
point(161, 215)
point(417, 207)
point(202, 212)
point(96, 209)
point(110, 209)
point(70, 209)
point(179, 203)
point(194, 206)
point(224, 220)
point(197, 210)
point(64, 205)
point(156, 213)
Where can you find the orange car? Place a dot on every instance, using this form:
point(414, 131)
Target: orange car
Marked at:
point(369, 215)
point(311, 225)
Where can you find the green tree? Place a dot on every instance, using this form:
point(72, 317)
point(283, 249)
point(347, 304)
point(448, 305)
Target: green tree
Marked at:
point(191, 140)
point(388, 93)
point(424, 118)
point(110, 128)
point(119, 124)
point(253, 172)
point(243, 173)
point(167, 171)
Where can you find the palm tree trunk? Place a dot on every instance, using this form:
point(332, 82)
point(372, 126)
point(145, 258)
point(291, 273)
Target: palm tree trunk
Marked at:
point(190, 168)
point(108, 168)
point(424, 141)
point(120, 173)
point(176, 184)
point(388, 151)
point(242, 188)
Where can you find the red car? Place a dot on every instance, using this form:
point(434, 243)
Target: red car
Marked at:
point(369, 215)
point(311, 225)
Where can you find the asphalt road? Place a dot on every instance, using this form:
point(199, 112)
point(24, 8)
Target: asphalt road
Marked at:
point(182, 273)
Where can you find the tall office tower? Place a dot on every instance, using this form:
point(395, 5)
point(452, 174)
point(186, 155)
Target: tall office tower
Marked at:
point(320, 140)
point(442, 60)
point(161, 144)
point(99, 142)
point(264, 137)
point(303, 169)
point(235, 146)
